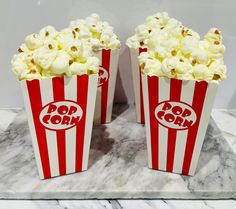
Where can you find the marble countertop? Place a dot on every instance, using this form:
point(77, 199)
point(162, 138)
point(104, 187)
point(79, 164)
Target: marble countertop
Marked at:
point(118, 165)
point(117, 204)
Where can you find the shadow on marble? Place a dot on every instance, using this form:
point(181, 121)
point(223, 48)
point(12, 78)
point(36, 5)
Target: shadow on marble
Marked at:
point(101, 144)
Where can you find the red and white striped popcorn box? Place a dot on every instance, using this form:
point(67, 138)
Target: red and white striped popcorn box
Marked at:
point(137, 83)
point(176, 118)
point(106, 85)
point(60, 114)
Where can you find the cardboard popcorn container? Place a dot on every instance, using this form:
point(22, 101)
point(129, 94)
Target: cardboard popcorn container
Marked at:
point(137, 83)
point(106, 85)
point(176, 117)
point(60, 115)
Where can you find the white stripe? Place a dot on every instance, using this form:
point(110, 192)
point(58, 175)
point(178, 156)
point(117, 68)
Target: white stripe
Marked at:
point(147, 119)
point(92, 86)
point(164, 94)
point(32, 128)
point(97, 113)
point(181, 136)
point(70, 94)
point(114, 57)
point(136, 80)
point(205, 116)
point(51, 137)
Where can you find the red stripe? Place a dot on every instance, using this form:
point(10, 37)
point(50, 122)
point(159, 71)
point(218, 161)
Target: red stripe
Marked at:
point(82, 93)
point(36, 107)
point(141, 92)
point(59, 95)
point(104, 88)
point(197, 105)
point(175, 93)
point(153, 101)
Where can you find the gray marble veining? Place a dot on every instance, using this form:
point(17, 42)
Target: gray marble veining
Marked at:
point(118, 204)
point(118, 166)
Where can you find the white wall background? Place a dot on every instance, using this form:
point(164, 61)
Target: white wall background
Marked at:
point(19, 18)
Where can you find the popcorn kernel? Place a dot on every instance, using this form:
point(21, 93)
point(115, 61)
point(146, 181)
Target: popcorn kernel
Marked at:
point(216, 77)
point(70, 62)
point(141, 43)
point(173, 52)
point(217, 32)
point(77, 30)
point(20, 50)
point(74, 48)
point(50, 46)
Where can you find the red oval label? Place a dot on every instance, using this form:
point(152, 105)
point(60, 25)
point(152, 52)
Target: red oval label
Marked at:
point(60, 115)
point(103, 76)
point(176, 115)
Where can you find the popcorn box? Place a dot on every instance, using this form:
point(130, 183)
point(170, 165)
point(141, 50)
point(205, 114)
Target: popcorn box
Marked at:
point(137, 83)
point(176, 118)
point(60, 115)
point(106, 85)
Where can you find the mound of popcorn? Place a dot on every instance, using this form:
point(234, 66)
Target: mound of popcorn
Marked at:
point(51, 53)
point(99, 33)
point(68, 52)
point(175, 51)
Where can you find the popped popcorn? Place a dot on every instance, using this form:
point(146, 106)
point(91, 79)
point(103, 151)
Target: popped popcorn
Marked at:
point(98, 33)
point(53, 53)
point(175, 51)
